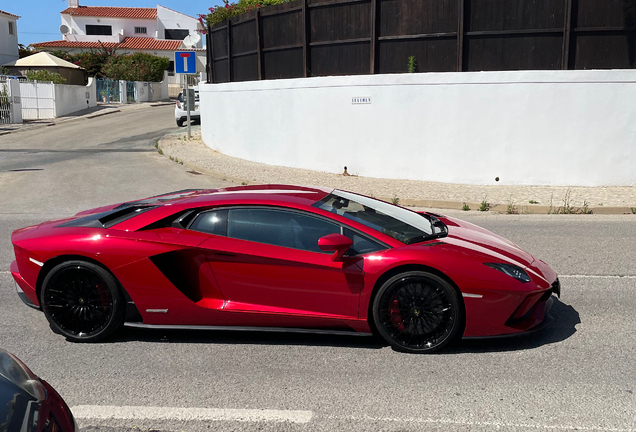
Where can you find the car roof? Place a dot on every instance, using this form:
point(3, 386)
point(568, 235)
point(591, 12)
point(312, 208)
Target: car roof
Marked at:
point(299, 195)
point(175, 202)
point(191, 198)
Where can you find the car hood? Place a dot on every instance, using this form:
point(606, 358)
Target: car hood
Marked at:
point(465, 234)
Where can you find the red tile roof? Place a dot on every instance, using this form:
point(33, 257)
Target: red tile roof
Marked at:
point(132, 43)
point(141, 43)
point(112, 12)
point(10, 14)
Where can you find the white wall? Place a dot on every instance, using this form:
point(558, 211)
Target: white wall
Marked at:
point(8, 43)
point(169, 19)
point(12, 88)
point(143, 91)
point(122, 28)
point(70, 98)
point(528, 127)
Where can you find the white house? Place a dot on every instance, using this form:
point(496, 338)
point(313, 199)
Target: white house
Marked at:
point(8, 37)
point(159, 31)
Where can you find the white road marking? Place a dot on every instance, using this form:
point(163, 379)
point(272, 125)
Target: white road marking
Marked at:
point(5, 272)
point(598, 276)
point(490, 424)
point(189, 414)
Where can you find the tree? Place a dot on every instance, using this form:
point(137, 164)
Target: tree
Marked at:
point(47, 76)
point(136, 67)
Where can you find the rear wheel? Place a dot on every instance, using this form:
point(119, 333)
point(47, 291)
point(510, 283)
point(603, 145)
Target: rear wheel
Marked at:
point(82, 301)
point(180, 123)
point(418, 312)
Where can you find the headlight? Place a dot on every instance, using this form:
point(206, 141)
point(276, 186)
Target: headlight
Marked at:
point(15, 371)
point(511, 270)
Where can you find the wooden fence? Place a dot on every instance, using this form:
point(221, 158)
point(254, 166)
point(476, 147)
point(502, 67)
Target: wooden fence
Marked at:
point(348, 37)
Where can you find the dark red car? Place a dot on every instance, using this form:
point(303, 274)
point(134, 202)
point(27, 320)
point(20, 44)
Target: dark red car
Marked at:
point(28, 403)
point(279, 257)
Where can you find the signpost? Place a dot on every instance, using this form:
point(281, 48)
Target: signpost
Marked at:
point(185, 63)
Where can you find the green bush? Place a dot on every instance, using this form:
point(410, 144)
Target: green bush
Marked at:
point(135, 67)
point(44, 75)
point(228, 10)
point(92, 61)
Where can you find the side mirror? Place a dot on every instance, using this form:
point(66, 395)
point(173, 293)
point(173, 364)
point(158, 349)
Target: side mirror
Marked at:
point(335, 242)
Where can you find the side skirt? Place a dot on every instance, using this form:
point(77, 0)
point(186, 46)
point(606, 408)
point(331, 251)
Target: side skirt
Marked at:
point(239, 328)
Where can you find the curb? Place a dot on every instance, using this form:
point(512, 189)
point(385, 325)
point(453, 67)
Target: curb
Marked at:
point(438, 204)
point(92, 116)
point(158, 104)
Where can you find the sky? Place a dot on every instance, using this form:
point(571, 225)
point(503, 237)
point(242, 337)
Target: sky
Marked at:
point(40, 19)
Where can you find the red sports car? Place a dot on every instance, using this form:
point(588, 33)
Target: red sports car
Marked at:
point(279, 257)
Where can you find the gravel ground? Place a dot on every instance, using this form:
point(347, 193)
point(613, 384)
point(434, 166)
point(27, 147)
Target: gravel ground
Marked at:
point(196, 153)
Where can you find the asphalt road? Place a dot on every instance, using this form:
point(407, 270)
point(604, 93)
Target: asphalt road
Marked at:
point(577, 374)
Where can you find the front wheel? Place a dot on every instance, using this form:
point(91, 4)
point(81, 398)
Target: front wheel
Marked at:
point(418, 312)
point(82, 301)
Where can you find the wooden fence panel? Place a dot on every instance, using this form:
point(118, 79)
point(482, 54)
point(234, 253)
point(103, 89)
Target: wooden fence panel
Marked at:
point(538, 52)
point(494, 15)
point(218, 37)
point(609, 50)
point(245, 67)
point(286, 63)
point(342, 59)
point(431, 55)
point(338, 22)
point(282, 29)
point(604, 13)
point(412, 17)
point(243, 36)
point(347, 37)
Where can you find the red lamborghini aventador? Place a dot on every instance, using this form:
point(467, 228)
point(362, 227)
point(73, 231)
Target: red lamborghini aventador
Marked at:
point(279, 257)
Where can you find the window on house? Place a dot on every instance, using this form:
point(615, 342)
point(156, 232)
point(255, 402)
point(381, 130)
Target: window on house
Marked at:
point(99, 30)
point(140, 30)
point(171, 68)
point(176, 34)
point(11, 31)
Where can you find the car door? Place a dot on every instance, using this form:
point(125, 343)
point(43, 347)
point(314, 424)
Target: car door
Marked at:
point(269, 262)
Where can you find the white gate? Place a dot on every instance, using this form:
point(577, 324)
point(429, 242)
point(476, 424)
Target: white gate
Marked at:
point(5, 106)
point(38, 100)
point(5, 101)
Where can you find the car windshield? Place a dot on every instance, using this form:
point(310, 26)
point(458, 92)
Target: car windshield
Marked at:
point(196, 96)
point(397, 222)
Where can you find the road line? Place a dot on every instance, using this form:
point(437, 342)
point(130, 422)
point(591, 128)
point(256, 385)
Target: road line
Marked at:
point(4, 272)
point(598, 276)
point(490, 424)
point(189, 414)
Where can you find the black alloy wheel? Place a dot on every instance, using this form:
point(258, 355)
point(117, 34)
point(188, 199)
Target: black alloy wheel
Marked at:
point(418, 312)
point(82, 301)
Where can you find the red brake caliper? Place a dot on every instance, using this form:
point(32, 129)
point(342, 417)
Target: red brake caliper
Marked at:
point(394, 312)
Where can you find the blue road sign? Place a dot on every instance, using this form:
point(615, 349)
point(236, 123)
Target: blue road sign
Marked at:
point(185, 62)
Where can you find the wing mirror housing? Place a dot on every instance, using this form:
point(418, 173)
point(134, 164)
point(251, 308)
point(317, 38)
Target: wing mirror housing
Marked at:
point(337, 243)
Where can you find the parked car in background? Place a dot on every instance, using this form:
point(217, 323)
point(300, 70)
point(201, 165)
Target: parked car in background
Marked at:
point(180, 114)
point(28, 403)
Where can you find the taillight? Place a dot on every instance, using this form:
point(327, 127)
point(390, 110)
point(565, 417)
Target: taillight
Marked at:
point(178, 104)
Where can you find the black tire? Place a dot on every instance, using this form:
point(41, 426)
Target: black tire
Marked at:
point(180, 123)
point(418, 312)
point(82, 301)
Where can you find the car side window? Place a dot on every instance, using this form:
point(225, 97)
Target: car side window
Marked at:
point(362, 244)
point(279, 228)
point(211, 222)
